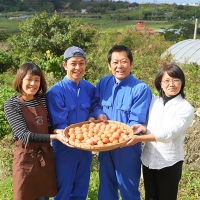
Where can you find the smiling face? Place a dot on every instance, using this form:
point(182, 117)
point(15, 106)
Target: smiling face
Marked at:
point(75, 68)
point(171, 86)
point(120, 65)
point(30, 86)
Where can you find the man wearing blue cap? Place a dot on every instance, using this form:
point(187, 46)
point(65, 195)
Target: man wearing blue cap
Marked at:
point(69, 101)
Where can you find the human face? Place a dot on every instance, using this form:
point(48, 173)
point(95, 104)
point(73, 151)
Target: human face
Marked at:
point(171, 86)
point(30, 86)
point(120, 65)
point(75, 68)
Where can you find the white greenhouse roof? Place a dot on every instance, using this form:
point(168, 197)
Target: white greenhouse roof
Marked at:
point(186, 51)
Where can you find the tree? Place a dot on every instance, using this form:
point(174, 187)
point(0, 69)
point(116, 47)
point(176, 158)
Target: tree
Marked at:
point(187, 29)
point(180, 31)
point(50, 33)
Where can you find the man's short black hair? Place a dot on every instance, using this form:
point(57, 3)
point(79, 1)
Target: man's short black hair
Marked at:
point(120, 48)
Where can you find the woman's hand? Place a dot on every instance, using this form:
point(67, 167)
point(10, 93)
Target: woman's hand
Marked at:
point(60, 136)
point(134, 139)
point(139, 135)
point(139, 128)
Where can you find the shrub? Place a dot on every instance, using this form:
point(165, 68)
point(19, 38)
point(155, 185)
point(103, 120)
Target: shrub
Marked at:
point(5, 62)
point(6, 153)
point(192, 89)
point(5, 93)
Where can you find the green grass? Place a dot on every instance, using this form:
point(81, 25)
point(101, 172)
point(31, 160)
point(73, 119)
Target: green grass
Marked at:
point(155, 25)
point(9, 26)
point(6, 189)
point(189, 187)
point(105, 22)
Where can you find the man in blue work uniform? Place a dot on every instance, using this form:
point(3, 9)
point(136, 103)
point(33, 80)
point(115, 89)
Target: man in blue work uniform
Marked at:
point(121, 97)
point(69, 101)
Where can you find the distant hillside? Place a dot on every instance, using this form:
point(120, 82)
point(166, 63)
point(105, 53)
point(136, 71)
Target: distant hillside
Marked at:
point(52, 5)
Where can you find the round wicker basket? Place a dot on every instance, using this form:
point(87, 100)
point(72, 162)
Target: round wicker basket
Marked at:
point(97, 148)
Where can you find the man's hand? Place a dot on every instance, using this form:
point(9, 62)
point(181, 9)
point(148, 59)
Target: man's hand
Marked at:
point(102, 117)
point(90, 119)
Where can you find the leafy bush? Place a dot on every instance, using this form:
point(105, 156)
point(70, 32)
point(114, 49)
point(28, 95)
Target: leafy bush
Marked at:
point(3, 35)
point(192, 89)
point(5, 62)
point(5, 93)
point(146, 54)
point(7, 78)
point(6, 154)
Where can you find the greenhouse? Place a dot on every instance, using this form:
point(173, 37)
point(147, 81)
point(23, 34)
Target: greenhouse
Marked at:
point(185, 52)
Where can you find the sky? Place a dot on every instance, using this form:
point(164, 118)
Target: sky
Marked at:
point(165, 1)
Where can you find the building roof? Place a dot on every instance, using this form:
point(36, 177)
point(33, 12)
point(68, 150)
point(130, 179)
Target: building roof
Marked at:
point(142, 28)
point(185, 52)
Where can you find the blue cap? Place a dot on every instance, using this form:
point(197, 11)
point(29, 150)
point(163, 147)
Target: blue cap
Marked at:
point(74, 52)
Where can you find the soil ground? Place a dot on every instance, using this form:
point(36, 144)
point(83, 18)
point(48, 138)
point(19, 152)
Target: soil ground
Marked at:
point(192, 141)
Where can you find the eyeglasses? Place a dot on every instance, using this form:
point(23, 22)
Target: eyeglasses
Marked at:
point(168, 81)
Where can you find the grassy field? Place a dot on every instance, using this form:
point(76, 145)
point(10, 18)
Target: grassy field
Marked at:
point(104, 24)
point(101, 22)
point(9, 26)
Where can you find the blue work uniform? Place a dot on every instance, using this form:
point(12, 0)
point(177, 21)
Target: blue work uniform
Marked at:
point(67, 104)
point(127, 102)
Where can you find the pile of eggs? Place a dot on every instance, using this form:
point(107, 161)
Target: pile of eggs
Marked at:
point(100, 134)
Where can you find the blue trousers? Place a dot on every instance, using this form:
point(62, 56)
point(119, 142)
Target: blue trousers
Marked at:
point(120, 169)
point(72, 172)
